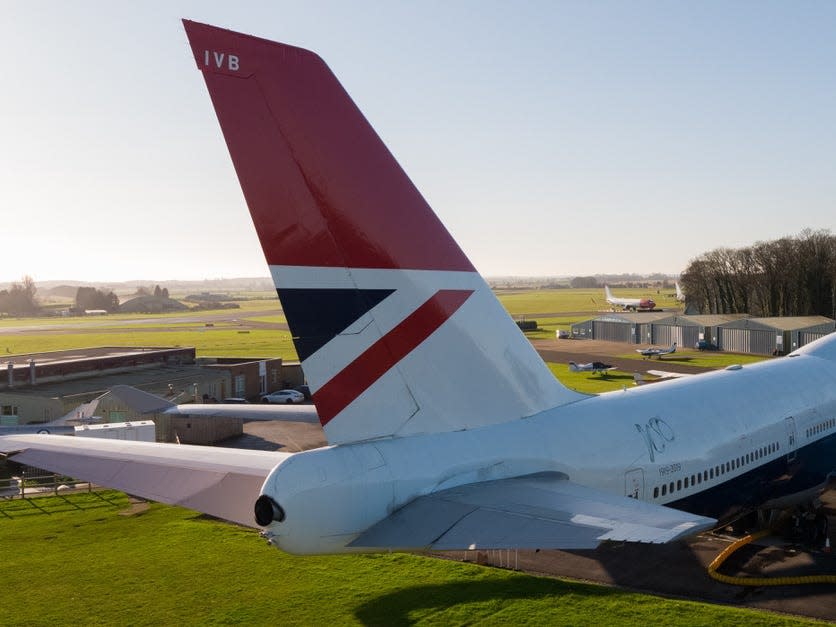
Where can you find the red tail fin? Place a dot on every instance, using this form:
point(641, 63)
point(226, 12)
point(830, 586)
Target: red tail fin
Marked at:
point(299, 143)
point(396, 331)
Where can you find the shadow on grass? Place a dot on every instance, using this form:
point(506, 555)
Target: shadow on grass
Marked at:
point(51, 504)
point(395, 608)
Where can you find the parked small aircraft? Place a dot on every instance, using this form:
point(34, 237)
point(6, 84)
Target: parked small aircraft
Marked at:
point(649, 353)
point(594, 366)
point(636, 304)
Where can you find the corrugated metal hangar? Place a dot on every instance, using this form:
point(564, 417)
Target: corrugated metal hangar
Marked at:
point(737, 333)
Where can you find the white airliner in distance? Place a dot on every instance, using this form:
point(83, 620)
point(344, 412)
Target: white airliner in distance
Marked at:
point(649, 353)
point(446, 430)
point(594, 366)
point(636, 304)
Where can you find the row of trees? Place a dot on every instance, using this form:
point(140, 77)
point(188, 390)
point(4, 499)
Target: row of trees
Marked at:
point(790, 276)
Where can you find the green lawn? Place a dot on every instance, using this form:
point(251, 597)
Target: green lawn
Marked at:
point(77, 560)
point(208, 341)
point(591, 383)
point(574, 300)
point(702, 359)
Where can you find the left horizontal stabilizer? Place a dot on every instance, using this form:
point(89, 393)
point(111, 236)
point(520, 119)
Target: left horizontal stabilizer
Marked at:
point(222, 482)
point(541, 511)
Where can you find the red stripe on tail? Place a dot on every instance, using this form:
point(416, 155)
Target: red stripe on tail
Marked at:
point(360, 374)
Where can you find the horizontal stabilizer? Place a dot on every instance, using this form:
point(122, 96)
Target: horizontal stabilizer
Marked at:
point(542, 511)
point(139, 401)
point(221, 482)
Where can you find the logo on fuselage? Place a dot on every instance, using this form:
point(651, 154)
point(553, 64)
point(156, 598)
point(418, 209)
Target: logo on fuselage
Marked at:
point(656, 435)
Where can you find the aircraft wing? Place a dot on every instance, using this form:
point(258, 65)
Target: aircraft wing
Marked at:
point(222, 482)
point(544, 511)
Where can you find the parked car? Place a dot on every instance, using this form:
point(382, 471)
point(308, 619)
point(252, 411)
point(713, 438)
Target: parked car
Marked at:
point(283, 396)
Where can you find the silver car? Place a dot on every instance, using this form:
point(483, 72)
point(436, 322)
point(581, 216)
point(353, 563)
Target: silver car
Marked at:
point(283, 396)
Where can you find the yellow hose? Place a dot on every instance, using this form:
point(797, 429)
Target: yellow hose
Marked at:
point(759, 581)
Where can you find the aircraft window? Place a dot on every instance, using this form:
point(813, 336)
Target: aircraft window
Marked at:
point(711, 472)
point(693, 480)
point(685, 484)
point(699, 477)
point(705, 475)
point(747, 458)
point(679, 484)
point(777, 446)
point(728, 467)
point(656, 492)
point(664, 489)
point(670, 487)
point(763, 452)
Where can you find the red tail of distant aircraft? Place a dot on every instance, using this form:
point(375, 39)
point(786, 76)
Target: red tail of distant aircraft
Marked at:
point(447, 431)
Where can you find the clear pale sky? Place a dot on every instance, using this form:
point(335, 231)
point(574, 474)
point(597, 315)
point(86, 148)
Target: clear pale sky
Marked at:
point(552, 138)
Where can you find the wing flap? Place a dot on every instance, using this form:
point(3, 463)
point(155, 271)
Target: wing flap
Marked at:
point(218, 481)
point(536, 511)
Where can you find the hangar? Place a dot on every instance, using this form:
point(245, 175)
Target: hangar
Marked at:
point(634, 328)
point(737, 333)
point(688, 330)
point(768, 336)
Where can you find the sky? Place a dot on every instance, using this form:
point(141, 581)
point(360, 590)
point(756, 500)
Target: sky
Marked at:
point(551, 138)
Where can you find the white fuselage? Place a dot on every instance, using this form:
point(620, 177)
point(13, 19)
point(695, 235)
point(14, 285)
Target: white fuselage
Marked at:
point(648, 442)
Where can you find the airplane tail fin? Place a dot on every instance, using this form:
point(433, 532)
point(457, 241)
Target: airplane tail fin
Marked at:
point(573, 367)
point(397, 332)
point(607, 293)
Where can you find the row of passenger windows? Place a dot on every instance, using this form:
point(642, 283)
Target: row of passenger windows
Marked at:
point(716, 471)
point(821, 427)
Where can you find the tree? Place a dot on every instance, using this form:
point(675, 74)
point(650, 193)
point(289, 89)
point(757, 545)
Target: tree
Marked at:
point(584, 281)
point(19, 299)
point(91, 298)
point(790, 276)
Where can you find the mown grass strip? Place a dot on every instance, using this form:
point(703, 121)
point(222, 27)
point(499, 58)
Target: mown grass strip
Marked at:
point(91, 565)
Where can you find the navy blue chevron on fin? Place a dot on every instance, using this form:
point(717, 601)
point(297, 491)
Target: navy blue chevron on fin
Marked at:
point(317, 316)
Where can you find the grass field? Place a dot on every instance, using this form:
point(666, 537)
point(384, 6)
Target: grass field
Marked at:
point(519, 302)
point(702, 359)
point(80, 560)
point(207, 341)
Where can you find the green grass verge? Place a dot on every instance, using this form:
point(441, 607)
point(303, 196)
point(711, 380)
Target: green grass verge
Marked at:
point(588, 382)
point(208, 341)
point(77, 560)
point(702, 359)
point(574, 300)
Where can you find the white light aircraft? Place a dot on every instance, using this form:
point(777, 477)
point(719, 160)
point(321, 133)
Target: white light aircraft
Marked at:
point(445, 428)
point(649, 353)
point(636, 304)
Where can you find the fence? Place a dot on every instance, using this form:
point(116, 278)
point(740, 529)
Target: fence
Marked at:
point(26, 485)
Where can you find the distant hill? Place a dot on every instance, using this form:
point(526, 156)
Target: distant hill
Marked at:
point(126, 288)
